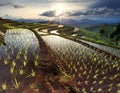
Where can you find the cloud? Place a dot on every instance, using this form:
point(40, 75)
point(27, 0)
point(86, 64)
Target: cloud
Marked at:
point(8, 3)
point(9, 17)
point(106, 3)
point(104, 11)
point(18, 6)
point(50, 13)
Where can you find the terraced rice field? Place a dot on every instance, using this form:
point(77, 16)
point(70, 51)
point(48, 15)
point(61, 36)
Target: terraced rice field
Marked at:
point(93, 72)
point(111, 50)
point(16, 57)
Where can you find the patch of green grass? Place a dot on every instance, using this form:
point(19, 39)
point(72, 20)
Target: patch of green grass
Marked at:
point(94, 37)
point(96, 29)
point(9, 26)
point(2, 39)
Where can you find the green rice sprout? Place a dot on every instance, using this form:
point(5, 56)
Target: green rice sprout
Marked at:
point(13, 64)
point(33, 73)
point(84, 90)
point(8, 57)
point(79, 82)
point(25, 57)
point(92, 90)
point(6, 62)
point(18, 56)
point(12, 69)
point(109, 89)
point(37, 57)
point(21, 71)
point(36, 63)
point(24, 63)
point(99, 89)
point(118, 85)
point(16, 84)
point(33, 85)
point(4, 86)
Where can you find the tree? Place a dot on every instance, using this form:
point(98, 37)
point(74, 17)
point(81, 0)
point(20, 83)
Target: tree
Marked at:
point(102, 32)
point(115, 32)
point(115, 35)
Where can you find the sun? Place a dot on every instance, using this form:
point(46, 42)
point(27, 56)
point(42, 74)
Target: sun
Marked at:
point(60, 9)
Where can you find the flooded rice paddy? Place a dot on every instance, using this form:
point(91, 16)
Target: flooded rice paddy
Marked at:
point(21, 48)
point(93, 72)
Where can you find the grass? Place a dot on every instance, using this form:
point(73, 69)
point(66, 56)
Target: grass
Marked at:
point(4, 86)
point(108, 28)
point(9, 26)
point(96, 29)
point(84, 34)
point(2, 42)
point(87, 35)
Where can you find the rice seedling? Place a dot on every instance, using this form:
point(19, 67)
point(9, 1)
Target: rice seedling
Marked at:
point(37, 57)
point(25, 56)
point(12, 69)
point(21, 71)
point(16, 83)
point(13, 64)
point(18, 56)
point(36, 63)
point(4, 86)
point(6, 62)
point(24, 63)
point(8, 57)
point(33, 73)
point(33, 85)
point(85, 64)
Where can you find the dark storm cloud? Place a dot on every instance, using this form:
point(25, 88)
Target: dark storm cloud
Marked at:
point(114, 4)
point(104, 11)
point(49, 13)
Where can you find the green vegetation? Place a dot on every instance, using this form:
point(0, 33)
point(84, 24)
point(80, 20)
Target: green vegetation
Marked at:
point(66, 29)
point(2, 39)
point(108, 33)
point(8, 26)
point(115, 35)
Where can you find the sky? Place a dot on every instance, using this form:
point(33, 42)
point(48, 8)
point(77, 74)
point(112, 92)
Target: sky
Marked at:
point(65, 9)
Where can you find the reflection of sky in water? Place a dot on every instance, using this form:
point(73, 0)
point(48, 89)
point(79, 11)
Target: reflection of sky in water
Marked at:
point(111, 50)
point(68, 48)
point(19, 40)
point(62, 45)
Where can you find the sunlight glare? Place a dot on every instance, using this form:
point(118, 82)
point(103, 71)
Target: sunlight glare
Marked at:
point(60, 9)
